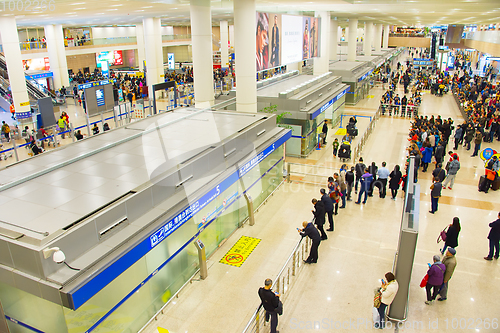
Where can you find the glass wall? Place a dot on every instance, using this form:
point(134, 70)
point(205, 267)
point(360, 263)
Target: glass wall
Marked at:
point(138, 306)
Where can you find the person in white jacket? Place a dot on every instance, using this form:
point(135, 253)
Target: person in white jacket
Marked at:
point(389, 290)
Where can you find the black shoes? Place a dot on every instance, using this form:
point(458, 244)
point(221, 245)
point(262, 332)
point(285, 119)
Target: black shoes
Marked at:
point(329, 229)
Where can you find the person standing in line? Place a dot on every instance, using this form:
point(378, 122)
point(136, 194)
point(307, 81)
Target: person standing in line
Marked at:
point(396, 176)
point(453, 168)
point(335, 146)
point(383, 174)
point(342, 184)
point(366, 181)
point(450, 262)
point(452, 235)
point(477, 143)
point(427, 157)
point(436, 278)
point(458, 136)
point(349, 179)
point(435, 194)
point(389, 290)
point(6, 131)
point(373, 168)
point(324, 131)
point(360, 170)
point(309, 230)
point(327, 202)
point(438, 172)
point(494, 237)
point(439, 154)
point(319, 217)
point(270, 301)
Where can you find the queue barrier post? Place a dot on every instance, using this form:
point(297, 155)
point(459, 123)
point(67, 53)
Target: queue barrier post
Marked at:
point(15, 149)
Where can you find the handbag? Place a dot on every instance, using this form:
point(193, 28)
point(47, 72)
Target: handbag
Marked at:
point(442, 235)
point(279, 309)
point(423, 283)
point(377, 299)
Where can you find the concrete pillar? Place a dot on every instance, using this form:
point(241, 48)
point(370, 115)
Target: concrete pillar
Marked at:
point(386, 36)
point(61, 54)
point(351, 40)
point(224, 46)
point(12, 52)
point(50, 38)
point(321, 63)
point(378, 37)
point(334, 39)
point(201, 36)
point(151, 42)
point(231, 35)
point(367, 46)
point(159, 49)
point(245, 48)
point(141, 54)
point(293, 66)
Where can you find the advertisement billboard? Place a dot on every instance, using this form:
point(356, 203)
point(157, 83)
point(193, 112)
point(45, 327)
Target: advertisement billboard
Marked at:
point(40, 64)
point(285, 39)
point(118, 57)
point(171, 61)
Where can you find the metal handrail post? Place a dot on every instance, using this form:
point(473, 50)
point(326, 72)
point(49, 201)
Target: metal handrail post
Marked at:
point(15, 149)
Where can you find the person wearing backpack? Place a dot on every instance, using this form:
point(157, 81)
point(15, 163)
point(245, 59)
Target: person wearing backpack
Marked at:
point(360, 170)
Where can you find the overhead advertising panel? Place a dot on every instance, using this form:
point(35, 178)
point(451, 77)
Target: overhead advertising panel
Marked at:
point(292, 38)
point(285, 39)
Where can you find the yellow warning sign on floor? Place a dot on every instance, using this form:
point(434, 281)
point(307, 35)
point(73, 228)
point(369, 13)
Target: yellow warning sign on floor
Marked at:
point(370, 96)
point(341, 131)
point(240, 251)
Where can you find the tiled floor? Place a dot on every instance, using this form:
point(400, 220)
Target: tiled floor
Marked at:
point(339, 289)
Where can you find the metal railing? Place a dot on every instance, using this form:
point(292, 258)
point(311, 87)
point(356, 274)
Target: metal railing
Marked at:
point(282, 284)
point(364, 138)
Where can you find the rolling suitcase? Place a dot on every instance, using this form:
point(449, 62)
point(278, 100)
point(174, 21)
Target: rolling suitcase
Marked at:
point(496, 184)
point(481, 184)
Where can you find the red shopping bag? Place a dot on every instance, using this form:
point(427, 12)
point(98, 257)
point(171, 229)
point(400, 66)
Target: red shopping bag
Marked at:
point(423, 283)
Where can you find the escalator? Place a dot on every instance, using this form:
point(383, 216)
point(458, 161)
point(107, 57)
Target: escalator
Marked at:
point(35, 91)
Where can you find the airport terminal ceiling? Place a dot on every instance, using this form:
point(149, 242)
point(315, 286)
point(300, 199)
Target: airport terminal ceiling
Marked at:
point(176, 12)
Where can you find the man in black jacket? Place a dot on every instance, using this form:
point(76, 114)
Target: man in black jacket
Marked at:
point(270, 302)
point(349, 179)
point(439, 173)
point(324, 131)
point(360, 170)
point(310, 230)
point(328, 204)
point(494, 237)
point(319, 217)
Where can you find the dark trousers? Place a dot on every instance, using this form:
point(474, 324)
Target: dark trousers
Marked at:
point(435, 291)
point(356, 183)
point(434, 204)
point(382, 186)
point(274, 320)
point(335, 208)
point(477, 146)
point(330, 218)
point(321, 231)
point(425, 166)
point(494, 245)
point(394, 192)
point(344, 194)
point(457, 142)
point(381, 312)
point(313, 253)
point(361, 191)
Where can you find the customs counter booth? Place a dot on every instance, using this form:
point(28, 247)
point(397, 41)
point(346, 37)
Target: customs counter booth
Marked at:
point(310, 99)
point(126, 207)
point(356, 75)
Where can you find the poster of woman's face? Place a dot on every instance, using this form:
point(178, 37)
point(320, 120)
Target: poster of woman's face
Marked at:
point(313, 38)
point(262, 41)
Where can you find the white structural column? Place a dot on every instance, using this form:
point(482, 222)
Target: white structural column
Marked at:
point(12, 52)
point(322, 63)
point(367, 47)
point(334, 39)
point(151, 42)
point(378, 37)
point(224, 45)
point(159, 48)
point(351, 40)
point(386, 36)
point(201, 36)
point(245, 48)
point(50, 37)
point(231, 35)
point(61, 55)
point(141, 53)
